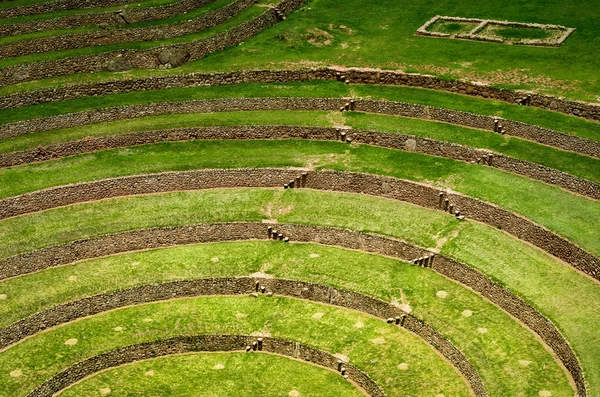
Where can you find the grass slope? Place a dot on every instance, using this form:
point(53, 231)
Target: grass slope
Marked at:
point(575, 164)
point(320, 33)
point(495, 353)
point(217, 375)
point(563, 212)
point(244, 16)
point(94, 28)
point(523, 269)
point(45, 354)
point(557, 121)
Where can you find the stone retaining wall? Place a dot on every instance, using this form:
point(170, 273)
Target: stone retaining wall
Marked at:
point(203, 343)
point(116, 36)
point(71, 311)
point(55, 6)
point(381, 186)
point(522, 130)
point(382, 139)
point(163, 237)
point(350, 75)
point(104, 19)
point(146, 59)
point(471, 208)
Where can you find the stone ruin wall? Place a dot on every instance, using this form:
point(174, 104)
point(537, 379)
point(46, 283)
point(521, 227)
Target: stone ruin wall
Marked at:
point(104, 19)
point(56, 6)
point(353, 76)
point(243, 286)
point(395, 141)
point(146, 59)
point(170, 236)
point(513, 128)
point(381, 186)
point(116, 36)
point(203, 343)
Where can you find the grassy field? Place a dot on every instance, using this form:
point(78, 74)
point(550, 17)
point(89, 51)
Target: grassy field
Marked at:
point(565, 213)
point(43, 355)
point(388, 279)
point(214, 5)
point(560, 122)
point(319, 33)
point(217, 375)
point(361, 33)
point(575, 164)
point(50, 15)
point(521, 268)
point(244, 16)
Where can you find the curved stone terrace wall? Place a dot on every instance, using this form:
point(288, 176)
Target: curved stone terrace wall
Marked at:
point(165, 237)
point(116, 36)
point(205, 343)
point(374, 185)
point(395, 141)
point(104, 19)
point(147, 59)
point(55, 6)
point(244, 286)
point(13, 75)
point(530, 132)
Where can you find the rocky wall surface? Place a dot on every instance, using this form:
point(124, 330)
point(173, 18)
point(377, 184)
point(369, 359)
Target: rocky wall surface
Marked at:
point(116, 36)
point(55, 6)
point(381, 139)
point(429, 197)
point(161, 237)
point(203, 343)
point(104, 19)
point(71, 311)
point(364, 76)
point(146, 59)
point(526, 131)
point(381, 186)
point(518, 129)
point(20, 73)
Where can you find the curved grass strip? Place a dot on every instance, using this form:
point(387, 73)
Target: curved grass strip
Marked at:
point(277, 316)
point(524, 269)
point(117, 92)
point(221, 375)
point(203, 343)
point(117, 36)
point(147, 54)
point(571, 163)
point(375, 138)
point(133, 54)
point(42, 7)
point(459, 272)
point(532, 133)
point(397, 189)
point(132, 15)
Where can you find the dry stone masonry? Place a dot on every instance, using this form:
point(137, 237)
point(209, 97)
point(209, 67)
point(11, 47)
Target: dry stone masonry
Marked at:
point(518, 129)
point(204, 343)
point(242, 286)
point(147, 59)
point(55, 6)
point(355, 76)
point(486, 30)
point(116, 36)
point(395, 141)
point(163, 237)
point(104, 20)
point(381, 186)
